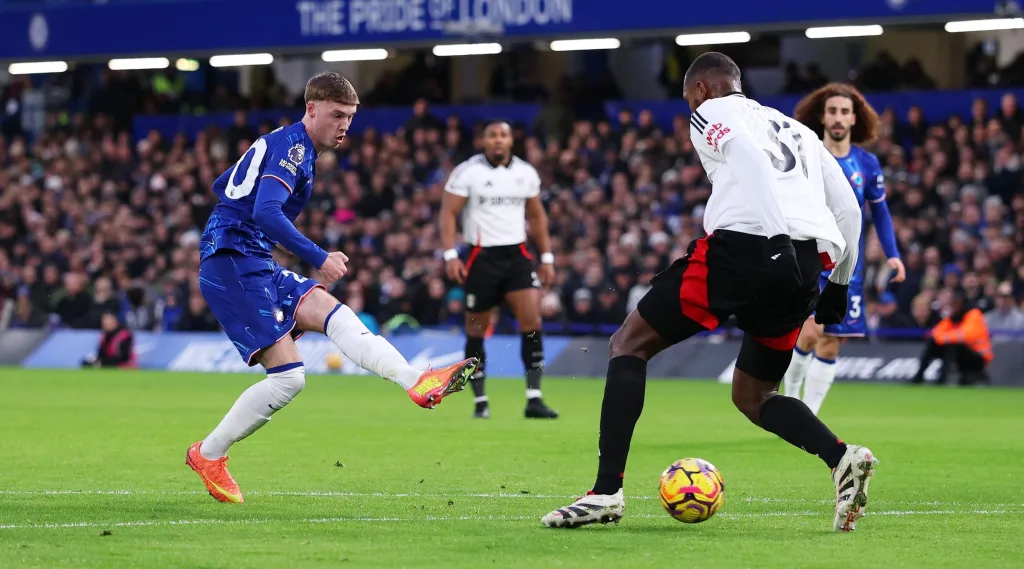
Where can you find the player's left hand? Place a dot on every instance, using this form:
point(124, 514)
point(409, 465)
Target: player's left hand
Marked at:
point(901, 272)
point(546, 274)
point(831, 308)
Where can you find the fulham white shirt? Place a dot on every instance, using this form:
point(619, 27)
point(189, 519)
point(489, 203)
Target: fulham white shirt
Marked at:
point(771, 175)
point(495, 212)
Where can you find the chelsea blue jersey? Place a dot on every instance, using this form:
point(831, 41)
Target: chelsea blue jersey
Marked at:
point(284, 156)
point(865, 175)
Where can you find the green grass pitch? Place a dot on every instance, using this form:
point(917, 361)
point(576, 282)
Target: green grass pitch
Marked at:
point(352, 474)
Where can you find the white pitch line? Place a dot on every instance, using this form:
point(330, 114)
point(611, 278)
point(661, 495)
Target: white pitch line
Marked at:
point(299, 493)
point(338, 520)
point(485, 495)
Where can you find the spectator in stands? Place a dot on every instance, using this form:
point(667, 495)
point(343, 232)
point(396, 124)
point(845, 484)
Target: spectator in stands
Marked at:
point(1010, 117)
point(913, 132)
point(239, 134)
point(961, 338)
point(72, 303)
point(26, 315)
point(914, 77)
point(1006, 316)
point(421, 119)
point(551, 311)
point(981, 64)
point(355, 302)
point(116, 347)
point(882, 74)
point(198, 317)
point(42, 293)
point(140, 314)
point(168, 308)
point(611, 307)
point(103, 300)
point(582, 310)
point(979, 113)
point(925, 318)
point(974, 293)
point(890, 317)
point(396, 301)
point(429, 305)
point(637, 291)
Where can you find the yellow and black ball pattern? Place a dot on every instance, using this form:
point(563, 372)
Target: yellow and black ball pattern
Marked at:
point(691, 490)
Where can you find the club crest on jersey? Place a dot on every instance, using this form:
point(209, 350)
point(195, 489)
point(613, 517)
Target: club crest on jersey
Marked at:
point(857, 179)
point(715, 134)
point(297, 153)
point(279, 315)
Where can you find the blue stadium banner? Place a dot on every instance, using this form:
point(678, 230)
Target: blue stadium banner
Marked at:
point(213, 352)
point(578, 357)
point(713, 357)
point(15, 343)
point(81, 28)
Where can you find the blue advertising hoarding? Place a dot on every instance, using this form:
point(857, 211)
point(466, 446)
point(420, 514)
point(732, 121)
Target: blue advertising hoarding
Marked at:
point(577, 357)
point(213, 352)
point(34, 30)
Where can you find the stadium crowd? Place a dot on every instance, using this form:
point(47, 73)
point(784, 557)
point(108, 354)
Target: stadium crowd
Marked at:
point(94, 222)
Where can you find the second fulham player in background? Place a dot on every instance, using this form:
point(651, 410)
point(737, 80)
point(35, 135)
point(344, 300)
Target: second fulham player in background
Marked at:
point(498, 196)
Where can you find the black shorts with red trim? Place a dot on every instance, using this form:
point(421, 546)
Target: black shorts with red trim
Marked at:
point(723, 275)
point(493, 272)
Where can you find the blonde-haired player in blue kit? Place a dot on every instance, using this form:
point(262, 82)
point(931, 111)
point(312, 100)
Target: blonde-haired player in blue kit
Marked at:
point(842, 117)
point(264, 307)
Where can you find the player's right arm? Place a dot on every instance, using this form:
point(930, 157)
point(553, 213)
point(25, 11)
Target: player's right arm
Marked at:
point(842, 202)
point(456, 194)
point(280, 176)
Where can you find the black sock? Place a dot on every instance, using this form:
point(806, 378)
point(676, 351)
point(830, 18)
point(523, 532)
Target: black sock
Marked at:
point(796, 424)
point(623, 402)
point(532, 350)
point(475, 349)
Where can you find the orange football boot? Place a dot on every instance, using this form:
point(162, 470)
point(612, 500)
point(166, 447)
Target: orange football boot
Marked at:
point(215, 475)
point(436, 384)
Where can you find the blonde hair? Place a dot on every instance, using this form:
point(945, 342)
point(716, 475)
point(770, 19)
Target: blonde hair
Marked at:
point(331, 86)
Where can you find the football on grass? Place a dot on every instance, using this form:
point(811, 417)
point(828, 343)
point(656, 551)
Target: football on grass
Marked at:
point(691, 490)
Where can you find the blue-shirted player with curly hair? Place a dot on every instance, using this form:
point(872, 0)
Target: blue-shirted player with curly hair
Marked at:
point(263, 307)
point(841, 115)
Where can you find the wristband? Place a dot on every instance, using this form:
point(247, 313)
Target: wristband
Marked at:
point(450, 254)
point(547, 258)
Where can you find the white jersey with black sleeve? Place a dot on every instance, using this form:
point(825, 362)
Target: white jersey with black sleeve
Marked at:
point(767, 174)
point(495, 211)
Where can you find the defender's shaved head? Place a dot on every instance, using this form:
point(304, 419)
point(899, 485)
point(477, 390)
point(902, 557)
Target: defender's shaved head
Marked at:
point(711, 75)
point(712, 65)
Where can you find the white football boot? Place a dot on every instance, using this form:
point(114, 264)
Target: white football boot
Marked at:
point(851, 478)
point(589, 509)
